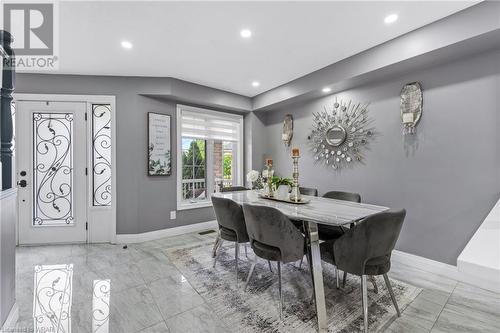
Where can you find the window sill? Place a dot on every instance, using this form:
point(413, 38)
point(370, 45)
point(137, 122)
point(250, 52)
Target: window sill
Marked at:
point(186, 206)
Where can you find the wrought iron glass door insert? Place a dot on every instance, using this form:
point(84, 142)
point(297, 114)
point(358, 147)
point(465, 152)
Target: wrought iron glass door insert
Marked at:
point(52, 169)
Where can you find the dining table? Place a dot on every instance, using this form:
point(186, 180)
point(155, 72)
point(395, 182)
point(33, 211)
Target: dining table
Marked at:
point(313, 211)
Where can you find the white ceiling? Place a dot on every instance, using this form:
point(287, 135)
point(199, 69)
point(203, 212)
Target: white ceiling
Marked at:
point(200, 41)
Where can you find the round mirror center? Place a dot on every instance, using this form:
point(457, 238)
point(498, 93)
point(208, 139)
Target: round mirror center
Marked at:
point(335, 135)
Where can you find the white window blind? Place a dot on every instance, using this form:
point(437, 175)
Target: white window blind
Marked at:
point(210, 125)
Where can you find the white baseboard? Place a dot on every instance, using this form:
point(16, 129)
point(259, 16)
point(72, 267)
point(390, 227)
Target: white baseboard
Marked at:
point(471, 274)
point(153, 235)
point(427, 265)
point(11, 321)
point(484, 277)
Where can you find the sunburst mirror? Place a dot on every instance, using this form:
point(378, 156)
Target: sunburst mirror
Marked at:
point(340, 133)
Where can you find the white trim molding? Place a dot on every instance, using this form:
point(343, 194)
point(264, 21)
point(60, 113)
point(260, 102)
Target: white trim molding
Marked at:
point(425, 264)
point(469, 273)
point(154, 235)
point(8, 193)
point(479, 262)
point(10, 323)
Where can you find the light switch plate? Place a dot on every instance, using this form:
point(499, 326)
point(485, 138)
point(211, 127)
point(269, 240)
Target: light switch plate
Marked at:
point(173, 215)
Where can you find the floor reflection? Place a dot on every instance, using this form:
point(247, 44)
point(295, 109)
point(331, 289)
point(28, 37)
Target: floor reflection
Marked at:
point(52, 298)
point(100, 306)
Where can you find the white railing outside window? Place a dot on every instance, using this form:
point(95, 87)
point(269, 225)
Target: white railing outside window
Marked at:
point(194, 190)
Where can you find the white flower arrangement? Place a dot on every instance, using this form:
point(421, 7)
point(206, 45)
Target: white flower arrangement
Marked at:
point(255, 178)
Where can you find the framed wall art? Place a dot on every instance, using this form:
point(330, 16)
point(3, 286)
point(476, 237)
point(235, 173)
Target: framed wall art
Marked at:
point(159, 144)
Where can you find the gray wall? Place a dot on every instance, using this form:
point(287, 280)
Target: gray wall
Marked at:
point(143, 203)
point(450, 182)
point(8, 213)
point(255, 142)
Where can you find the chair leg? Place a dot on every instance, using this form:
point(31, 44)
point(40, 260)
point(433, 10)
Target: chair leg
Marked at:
point(344, 279)
point(216, 253)
point(270, 267)
point(309, 264)
point(337, 278)
point(301, 260)
point(364, 301)
point(250, 272)
point(236, 253)
point(216, 246)
point(374, 282)
point(246, 250)
point(280, 290)
point(391, 292)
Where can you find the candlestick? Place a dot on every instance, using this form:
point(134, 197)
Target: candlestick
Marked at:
point(295, 195)
point(270, 174)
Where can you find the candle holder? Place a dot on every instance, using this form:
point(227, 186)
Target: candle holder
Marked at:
point(295, 195)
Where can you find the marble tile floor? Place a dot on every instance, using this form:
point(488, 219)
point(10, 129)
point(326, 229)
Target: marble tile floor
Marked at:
point(149, 295)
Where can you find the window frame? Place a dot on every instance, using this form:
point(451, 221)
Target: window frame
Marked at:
point(183, 205)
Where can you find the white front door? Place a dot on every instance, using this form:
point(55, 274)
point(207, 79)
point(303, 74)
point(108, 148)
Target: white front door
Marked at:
point(51, 141)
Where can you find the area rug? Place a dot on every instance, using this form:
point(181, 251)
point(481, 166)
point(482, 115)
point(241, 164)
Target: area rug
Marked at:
point(257, 309)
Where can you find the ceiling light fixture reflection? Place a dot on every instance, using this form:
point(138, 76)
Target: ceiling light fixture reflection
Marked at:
point(246, 33)
point(127, 45)
point(326, 90)
point(391, 18)
point(255, 83)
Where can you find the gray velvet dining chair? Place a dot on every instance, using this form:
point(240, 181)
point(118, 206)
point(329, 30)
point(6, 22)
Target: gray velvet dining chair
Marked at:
point(308, 191)
point(234, 188)
point(304, 191)
point(218, 240)
point(365, 249)
point(232, 226)
point(330, 233)
point(272, 237)
point(301, 224)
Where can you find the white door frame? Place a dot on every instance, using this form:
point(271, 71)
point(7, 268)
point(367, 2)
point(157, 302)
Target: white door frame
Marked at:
point(89, 99)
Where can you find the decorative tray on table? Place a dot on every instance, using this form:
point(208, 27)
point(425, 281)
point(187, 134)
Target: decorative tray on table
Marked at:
point(287, 200)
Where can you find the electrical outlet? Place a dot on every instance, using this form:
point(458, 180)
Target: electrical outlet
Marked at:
point(173, 214)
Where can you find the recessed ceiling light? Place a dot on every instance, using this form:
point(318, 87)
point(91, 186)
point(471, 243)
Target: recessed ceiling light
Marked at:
point(246, 33)
point(391, 18)
point(326, 90)
point(255, 83)
point(126, 44)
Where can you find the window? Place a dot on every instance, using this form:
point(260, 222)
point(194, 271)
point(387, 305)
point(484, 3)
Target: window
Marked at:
point(101, 154)
point(210, 154)
point(194, 176)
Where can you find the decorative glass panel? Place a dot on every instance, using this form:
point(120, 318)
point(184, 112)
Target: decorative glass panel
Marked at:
point(101, 154)
point(100, 306)
point(53, 169)
point(52, 298)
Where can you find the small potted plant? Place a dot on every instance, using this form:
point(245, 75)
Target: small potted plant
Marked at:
point(282, 186)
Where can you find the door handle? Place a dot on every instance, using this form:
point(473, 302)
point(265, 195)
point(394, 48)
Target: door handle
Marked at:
point(22, 183)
